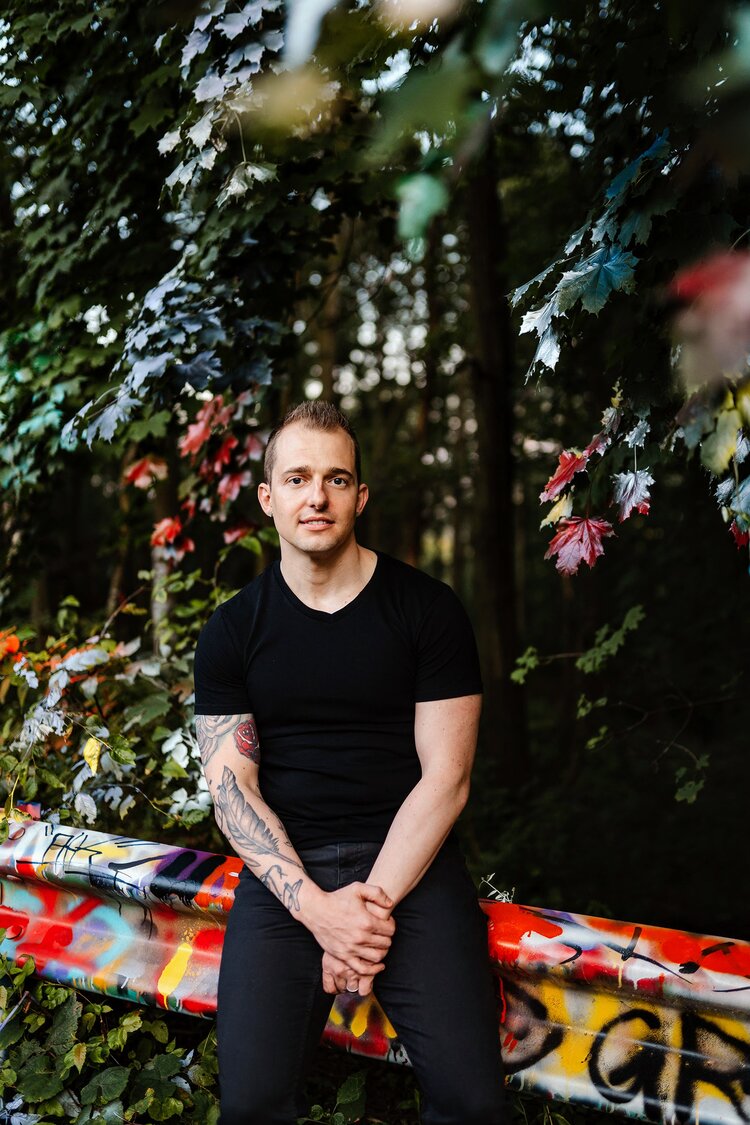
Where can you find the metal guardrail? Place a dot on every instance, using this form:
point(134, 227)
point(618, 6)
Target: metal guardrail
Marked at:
point(650, 1022)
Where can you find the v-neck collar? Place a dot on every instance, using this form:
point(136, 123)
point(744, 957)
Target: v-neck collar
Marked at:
point(322, 614)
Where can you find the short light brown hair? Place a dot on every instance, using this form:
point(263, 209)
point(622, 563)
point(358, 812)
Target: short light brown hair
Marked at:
point(316, 414)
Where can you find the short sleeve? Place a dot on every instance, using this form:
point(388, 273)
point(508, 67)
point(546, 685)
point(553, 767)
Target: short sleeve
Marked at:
point(448, 662)
point(220, 687)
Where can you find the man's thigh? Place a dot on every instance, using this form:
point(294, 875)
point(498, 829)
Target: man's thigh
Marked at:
point(271, 1008)
point(438, 992)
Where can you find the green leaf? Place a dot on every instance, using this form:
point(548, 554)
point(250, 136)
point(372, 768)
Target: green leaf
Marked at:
point(128, 1024)
point(40, 1078)
point(105, 1085)
point(606, 644)
point(596, 277)
point(525, 663)
point(688, 791)
point(75, 1057)
point(64, 1026)
point(164, 1110)
point(153, 426)
point(350, 1098)
point(121, 750)
point(146, 710)
point(585, 705)
point(251, 543)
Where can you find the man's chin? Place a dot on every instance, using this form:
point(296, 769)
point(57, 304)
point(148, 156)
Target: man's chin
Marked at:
point(321, 542)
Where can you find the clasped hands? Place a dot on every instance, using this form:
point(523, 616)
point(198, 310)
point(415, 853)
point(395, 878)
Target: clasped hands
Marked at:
point(353, 925)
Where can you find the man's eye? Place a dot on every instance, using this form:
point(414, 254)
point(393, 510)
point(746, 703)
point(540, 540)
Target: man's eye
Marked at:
point(339, 480)
point(295, 480)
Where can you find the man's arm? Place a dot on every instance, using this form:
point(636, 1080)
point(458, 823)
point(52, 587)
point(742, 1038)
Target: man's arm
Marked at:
point(343, 925)
point(445, 732)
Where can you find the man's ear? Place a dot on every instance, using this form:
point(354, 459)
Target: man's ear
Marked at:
point(264, 497)
point(363, 495)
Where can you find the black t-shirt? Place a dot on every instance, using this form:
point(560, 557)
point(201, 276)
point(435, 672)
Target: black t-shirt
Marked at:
point(333, 694)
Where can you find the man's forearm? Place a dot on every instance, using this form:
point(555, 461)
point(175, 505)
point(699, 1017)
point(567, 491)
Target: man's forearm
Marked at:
point(260, 839)
point(417, 832)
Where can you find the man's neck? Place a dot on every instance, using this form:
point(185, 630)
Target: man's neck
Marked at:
point(328, 582)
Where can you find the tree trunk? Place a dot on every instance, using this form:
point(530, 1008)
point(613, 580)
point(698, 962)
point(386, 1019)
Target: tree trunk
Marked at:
point(492, 381)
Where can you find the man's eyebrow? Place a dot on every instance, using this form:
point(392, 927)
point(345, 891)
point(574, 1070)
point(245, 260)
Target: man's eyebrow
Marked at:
point(297, 469)
point(329, 473)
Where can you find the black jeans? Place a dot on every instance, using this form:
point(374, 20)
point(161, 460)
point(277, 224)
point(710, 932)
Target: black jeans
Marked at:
point(436, 989)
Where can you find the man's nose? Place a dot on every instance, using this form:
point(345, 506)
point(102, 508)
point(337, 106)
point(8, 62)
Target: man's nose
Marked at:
point(317, 496)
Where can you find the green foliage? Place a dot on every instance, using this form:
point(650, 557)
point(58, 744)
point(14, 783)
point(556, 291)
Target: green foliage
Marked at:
point(607, 642)
point(525, 663)
point(99, 1062)
point(349, 1105)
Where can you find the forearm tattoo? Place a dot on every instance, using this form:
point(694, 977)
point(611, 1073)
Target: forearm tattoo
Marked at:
point(253, 839)
point(240, 823)
point(289, 893)
point(210, 729)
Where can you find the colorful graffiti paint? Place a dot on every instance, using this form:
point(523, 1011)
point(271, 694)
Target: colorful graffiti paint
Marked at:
point(649, 1022)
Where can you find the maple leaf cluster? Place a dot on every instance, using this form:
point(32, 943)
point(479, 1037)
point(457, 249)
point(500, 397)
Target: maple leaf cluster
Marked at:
point(579, 538)
point(222, 472)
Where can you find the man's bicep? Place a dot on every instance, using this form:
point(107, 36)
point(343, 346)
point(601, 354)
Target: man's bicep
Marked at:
point(228, 741)
point(445, 733)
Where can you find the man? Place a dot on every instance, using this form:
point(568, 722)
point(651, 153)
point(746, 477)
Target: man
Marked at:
point(337, 703)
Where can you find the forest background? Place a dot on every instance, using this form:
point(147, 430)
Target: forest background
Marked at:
point(209, 213)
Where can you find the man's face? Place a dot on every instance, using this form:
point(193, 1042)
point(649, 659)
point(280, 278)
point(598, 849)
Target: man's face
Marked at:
point(313, 496)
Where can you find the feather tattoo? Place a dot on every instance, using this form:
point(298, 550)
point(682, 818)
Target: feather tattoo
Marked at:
point(248, 832)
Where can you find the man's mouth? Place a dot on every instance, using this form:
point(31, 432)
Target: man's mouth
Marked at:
point(320, 522)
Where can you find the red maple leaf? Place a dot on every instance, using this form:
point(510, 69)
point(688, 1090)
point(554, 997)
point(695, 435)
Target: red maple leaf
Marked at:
point(229, 486)
point(144, 472)
point(252, 449)
point(570, 463)
point(166, 531)
point(598, 444)
point(197, 435)
point(223, 456)
point(232, 534)
point(578, 540)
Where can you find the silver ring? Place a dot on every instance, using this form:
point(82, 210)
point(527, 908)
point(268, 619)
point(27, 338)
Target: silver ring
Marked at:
point(355, 989)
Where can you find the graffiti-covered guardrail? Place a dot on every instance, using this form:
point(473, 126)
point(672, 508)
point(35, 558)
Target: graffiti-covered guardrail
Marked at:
point(649, 1022)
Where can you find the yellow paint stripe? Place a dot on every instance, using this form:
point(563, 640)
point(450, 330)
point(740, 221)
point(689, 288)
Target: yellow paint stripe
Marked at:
point(174, 970)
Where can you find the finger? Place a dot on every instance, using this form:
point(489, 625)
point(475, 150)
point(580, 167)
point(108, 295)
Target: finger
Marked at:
point(352, 984)
point(375, 894)
point(366, 956)
point(329, 984)
point(375, 941)
point(378, 911)
point(381, 927)
point(365, 986)
point(370, 953)
point(362, 967)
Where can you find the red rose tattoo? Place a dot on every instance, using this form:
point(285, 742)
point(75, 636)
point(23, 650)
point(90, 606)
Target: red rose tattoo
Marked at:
point(246, 740)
